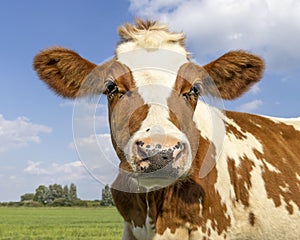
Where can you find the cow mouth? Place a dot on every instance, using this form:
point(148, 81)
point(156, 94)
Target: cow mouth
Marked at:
point(162, 168)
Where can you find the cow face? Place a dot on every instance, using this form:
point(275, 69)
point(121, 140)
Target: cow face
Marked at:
point(152, 123)
point(152, 94)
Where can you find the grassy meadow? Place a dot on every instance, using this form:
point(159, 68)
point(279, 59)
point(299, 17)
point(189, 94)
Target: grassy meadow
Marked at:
point(20, 223)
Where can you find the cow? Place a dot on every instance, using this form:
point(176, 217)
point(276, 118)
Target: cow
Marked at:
point(196, 171)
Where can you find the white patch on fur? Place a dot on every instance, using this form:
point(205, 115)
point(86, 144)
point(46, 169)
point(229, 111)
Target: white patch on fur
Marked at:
point(285, 189)
point(179, 234)
point(271, 167)
point(147, 232)
point(298, 177)
point(144, 233)
point(210, 233)
point(213, 233)
point(238, 148)
point(209, 120)
point(295, 122)
point(162, 59)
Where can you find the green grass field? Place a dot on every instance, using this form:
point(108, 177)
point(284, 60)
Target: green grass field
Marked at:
point(60, 223)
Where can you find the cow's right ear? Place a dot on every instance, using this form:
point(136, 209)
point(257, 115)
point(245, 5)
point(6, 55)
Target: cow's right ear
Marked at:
point(62, 70)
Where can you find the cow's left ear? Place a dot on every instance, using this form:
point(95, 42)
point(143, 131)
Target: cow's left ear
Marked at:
point(235, 72)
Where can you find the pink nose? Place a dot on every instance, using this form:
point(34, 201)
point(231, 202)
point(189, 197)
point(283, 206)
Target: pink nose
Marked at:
point(159, 152)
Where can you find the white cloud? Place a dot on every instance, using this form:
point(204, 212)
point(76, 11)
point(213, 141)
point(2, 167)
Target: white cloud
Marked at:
point(98, 155)
point(19, 133)
point(34, 168)
point(71, 171)
point(267, 27)
point(255, 89)
point(67, 103)
point(25, 177)
point(250, 106)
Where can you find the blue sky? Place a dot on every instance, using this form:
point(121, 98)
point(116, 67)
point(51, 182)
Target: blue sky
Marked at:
point(36, 141)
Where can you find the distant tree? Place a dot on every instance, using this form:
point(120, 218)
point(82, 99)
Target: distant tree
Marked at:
point(66, 192)
point(42, 194)
point(107, 199)
point(73, 192)
point(27, 197)
point(56, 191)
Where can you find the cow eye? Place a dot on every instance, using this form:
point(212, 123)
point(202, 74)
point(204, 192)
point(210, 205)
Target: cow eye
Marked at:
point(196, 89)
point(194, 92)
point(110, 87)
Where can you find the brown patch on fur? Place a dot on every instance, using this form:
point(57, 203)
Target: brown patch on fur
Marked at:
point(230, 129)
point(180, 205)
point(137, 117)
point(126, 108)
point(131, 206)
point(251, 218)
point(212, 207)
point(187, 75)
point(122, 77)
point(235, 72)
point(174, 119)
point(170, 207)
point(240, 179)
point(181, 115)
point(63, 70)
point(280, 149)
point(126, 117)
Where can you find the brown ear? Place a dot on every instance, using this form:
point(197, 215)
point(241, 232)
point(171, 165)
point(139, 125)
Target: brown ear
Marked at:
point(235, 72)
point(63, 70)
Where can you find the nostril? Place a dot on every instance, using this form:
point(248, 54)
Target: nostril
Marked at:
point(139, 143)
point(158, 146)
point(141, 153)
point(179, 150)
point(178, 155)
point(179, 145)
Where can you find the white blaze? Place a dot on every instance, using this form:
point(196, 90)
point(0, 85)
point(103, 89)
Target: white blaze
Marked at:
point(154, 73)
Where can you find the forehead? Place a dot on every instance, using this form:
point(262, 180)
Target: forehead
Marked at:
point(154, 72)
point(149, 66)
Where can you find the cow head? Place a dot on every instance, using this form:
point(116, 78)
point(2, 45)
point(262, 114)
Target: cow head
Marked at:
point(152, 89)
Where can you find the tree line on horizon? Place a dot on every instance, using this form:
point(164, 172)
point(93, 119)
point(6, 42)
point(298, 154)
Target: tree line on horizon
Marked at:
point(56, 195)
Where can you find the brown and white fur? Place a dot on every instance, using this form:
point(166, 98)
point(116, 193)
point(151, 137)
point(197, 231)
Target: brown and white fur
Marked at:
point(252, 191)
